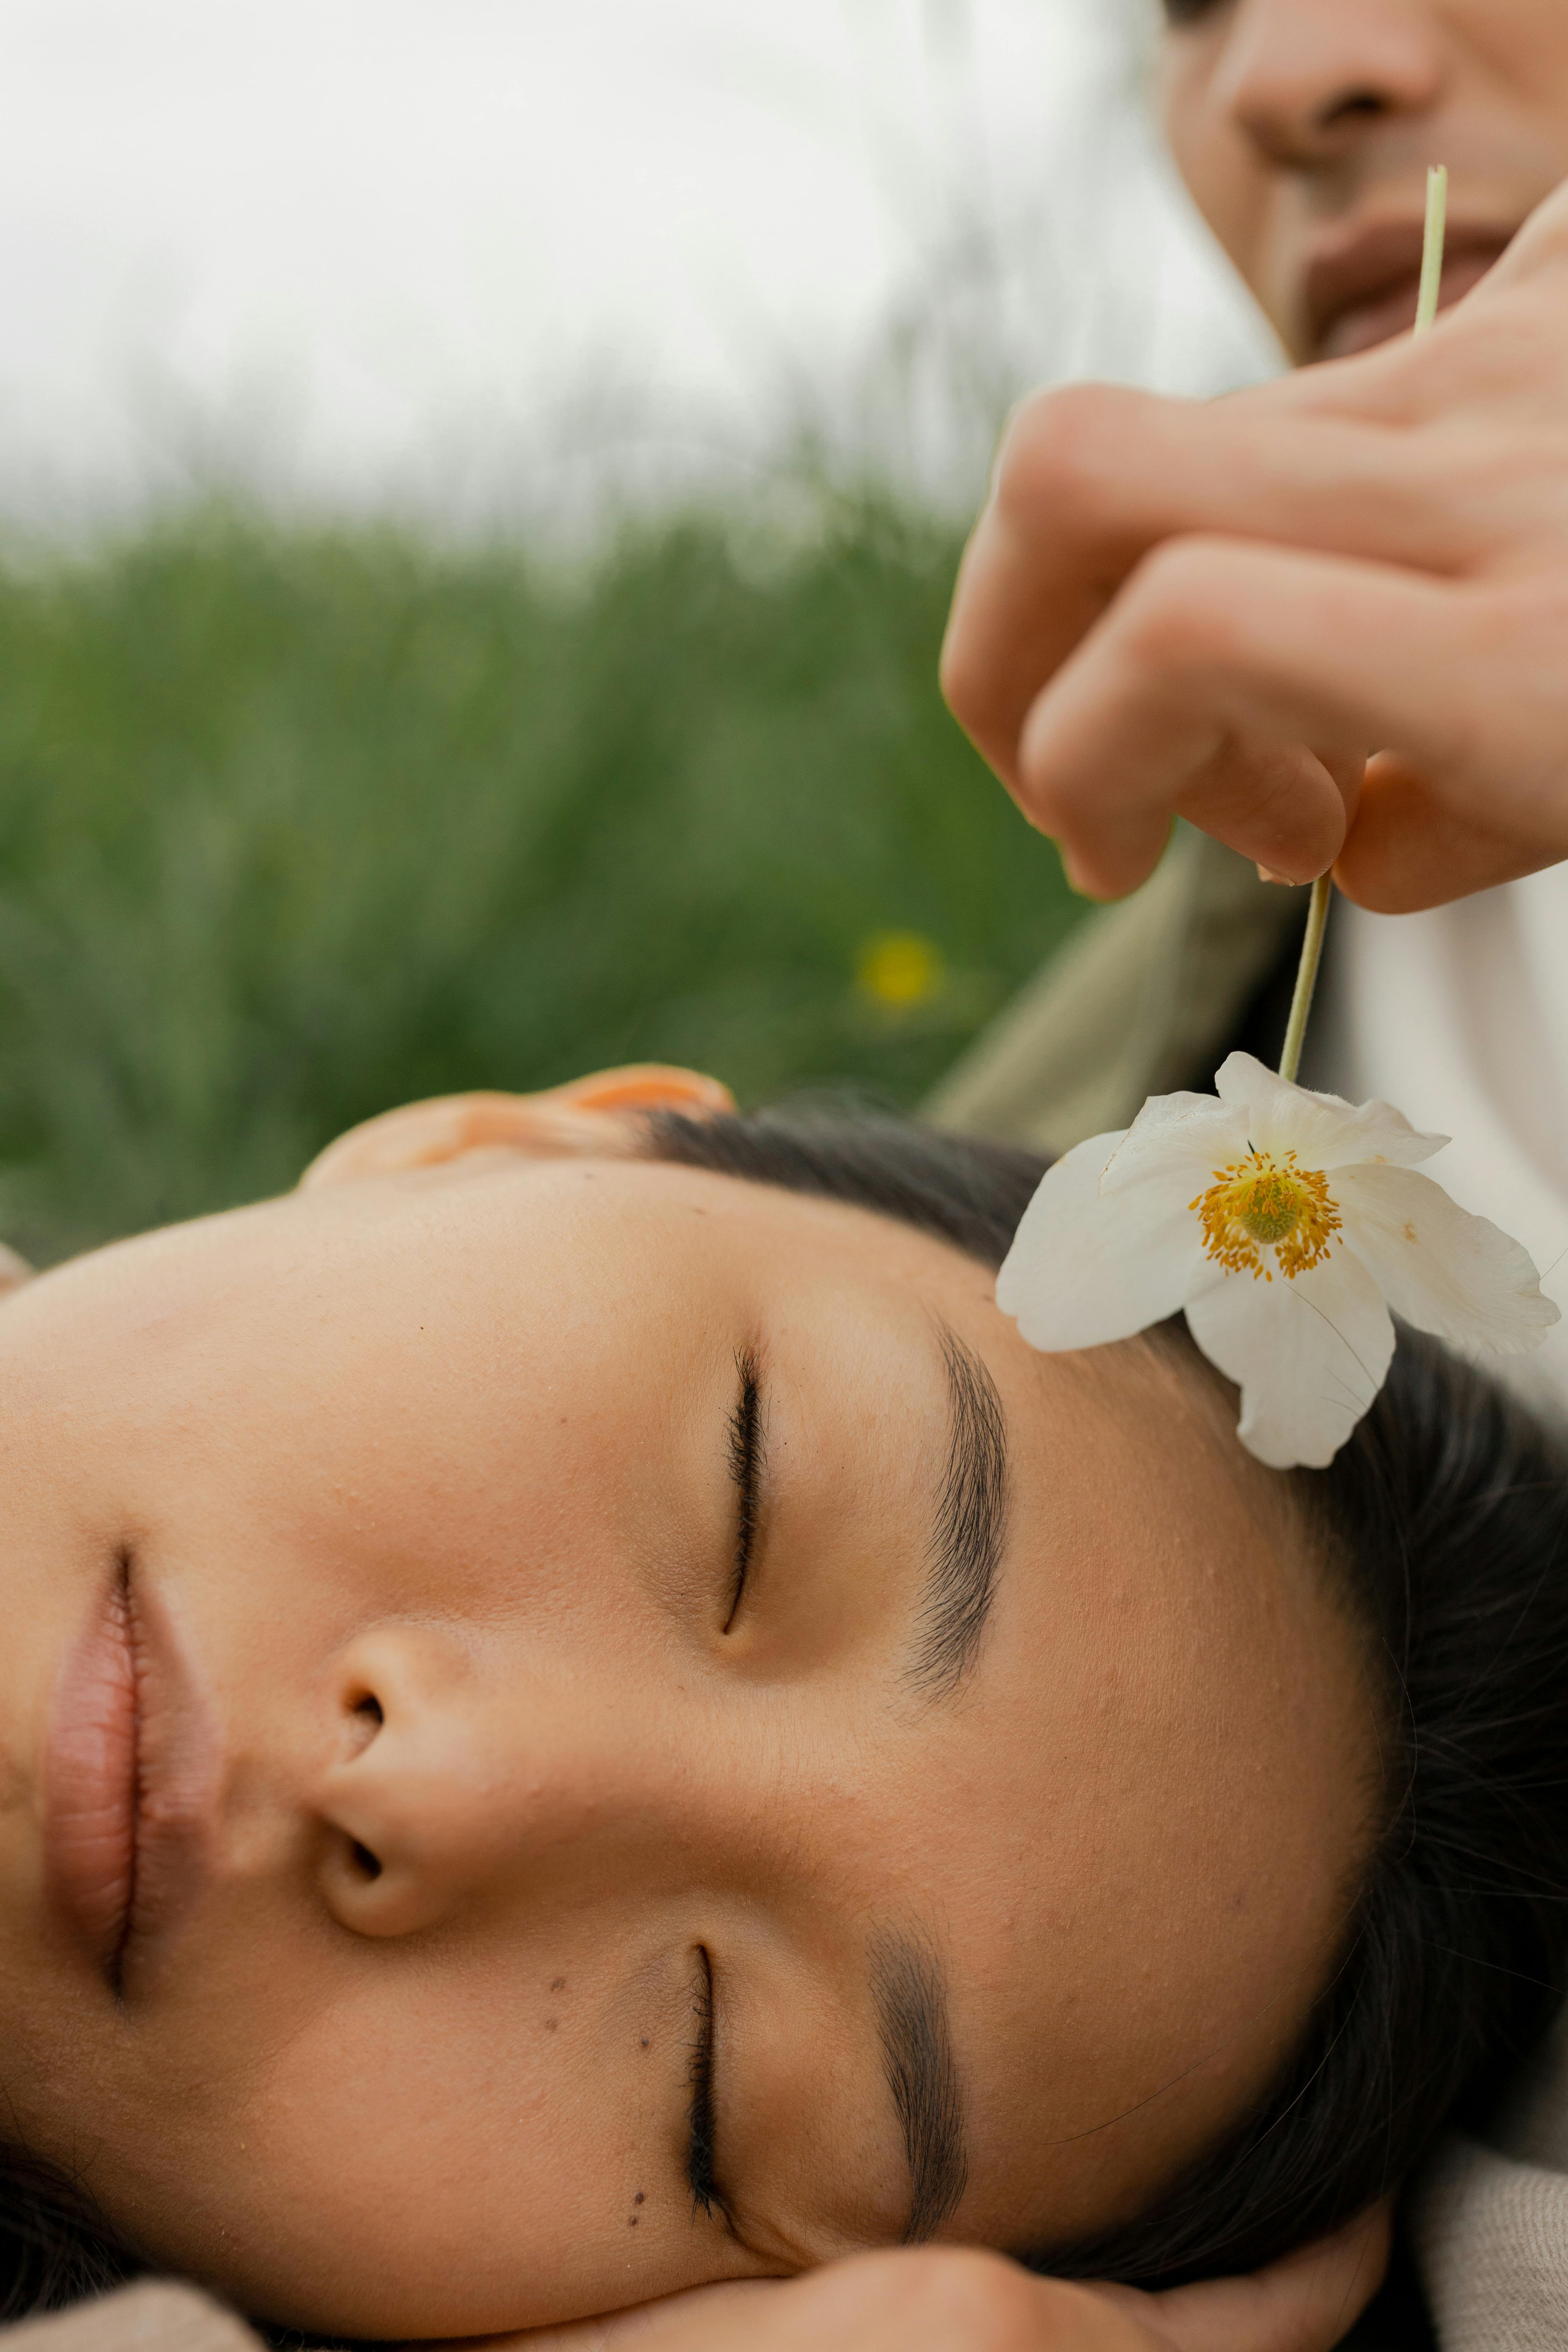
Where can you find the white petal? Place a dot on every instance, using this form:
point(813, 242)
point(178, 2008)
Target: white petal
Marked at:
point(1322, 1130)
point(1189, 1138)
point(1085, 1269)
point(1449, 1273)
point(1309, 1356)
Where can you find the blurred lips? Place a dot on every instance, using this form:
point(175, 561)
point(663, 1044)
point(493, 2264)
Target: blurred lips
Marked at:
point(1361, 288)
point(128, 1779)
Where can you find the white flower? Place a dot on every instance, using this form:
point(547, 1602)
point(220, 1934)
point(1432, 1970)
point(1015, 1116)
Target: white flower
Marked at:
point(1288, 1224)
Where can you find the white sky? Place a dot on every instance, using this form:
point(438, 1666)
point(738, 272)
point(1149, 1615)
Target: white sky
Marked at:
point(345, 239)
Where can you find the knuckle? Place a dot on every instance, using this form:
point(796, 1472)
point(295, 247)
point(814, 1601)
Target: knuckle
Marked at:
point(1173, 614)
point(1059, 451)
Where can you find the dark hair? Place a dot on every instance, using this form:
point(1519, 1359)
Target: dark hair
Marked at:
point(1445, 1521)
point(56, 2247)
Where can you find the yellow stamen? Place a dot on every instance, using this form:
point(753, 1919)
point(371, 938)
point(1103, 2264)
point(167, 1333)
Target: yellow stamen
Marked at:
point(1264, 1202)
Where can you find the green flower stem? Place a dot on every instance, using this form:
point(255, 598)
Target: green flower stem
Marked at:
point(1307, 977)
point(1323, 888)
point(1432, 254)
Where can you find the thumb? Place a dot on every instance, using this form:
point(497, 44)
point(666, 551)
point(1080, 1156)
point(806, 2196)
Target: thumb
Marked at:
point(1413, 846)
point(1542, 245)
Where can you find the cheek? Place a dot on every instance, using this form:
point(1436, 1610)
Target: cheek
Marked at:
point(1524, 38)
point(454, 2148)
point(1217, 164)
point(1507, 87)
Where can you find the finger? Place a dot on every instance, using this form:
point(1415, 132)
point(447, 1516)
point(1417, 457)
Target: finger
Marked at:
point(1305, 2303)
point(1190, 695)
point(1411, 846)
point(1281, 805)
point(1091, 478)
point(1291, 794)
point(931, 2299)
point(1539, 250)
point(717, 2318)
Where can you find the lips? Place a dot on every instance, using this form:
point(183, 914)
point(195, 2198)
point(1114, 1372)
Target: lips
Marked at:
point(127, 1782)
point(1361, 288)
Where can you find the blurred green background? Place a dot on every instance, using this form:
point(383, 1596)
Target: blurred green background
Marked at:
point(298, 822)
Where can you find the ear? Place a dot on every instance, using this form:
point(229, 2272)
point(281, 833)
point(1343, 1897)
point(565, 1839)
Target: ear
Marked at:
point(591, 1119)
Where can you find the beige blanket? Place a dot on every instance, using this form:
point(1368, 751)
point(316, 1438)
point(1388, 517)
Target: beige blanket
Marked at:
point(1490, 2221)
point(152, 2317)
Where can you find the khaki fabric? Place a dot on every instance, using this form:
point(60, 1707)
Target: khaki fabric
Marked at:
point(1144, 998)
point(154, 2316)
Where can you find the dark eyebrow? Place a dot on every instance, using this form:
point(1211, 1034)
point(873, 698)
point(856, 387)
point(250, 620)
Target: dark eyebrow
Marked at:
point(922, 2075)
point(971, 1524)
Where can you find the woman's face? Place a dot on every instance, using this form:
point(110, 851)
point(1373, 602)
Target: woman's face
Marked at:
point(1305, 128)
point(532, 1614)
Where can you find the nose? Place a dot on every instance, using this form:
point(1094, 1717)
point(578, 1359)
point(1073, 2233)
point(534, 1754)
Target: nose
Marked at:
point(1306, 85)
point(441, 1788)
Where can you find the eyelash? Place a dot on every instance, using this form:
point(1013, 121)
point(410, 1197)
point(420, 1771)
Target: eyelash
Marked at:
point(1188, 11)
point(745, 1462)
point(699, 2116)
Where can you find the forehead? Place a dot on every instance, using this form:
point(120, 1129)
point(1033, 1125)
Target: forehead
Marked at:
point(314, 1329)
point(572, 1221)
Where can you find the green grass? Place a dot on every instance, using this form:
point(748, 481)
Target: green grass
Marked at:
point(297, 823)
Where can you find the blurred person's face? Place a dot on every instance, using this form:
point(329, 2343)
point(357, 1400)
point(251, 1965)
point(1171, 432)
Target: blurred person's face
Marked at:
point(490, 1832)
point(1305, 128)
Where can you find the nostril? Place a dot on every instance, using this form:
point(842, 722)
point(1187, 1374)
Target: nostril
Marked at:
point(1354, 105)
point(367, 1863)
point(365, 1716)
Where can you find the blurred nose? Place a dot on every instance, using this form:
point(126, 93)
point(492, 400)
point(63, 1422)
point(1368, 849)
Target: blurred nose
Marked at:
point(1305, 84)
point(450, 1783)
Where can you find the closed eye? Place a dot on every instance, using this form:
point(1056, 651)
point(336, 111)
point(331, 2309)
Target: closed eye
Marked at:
point(699, 2115)
point(745, 1474)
